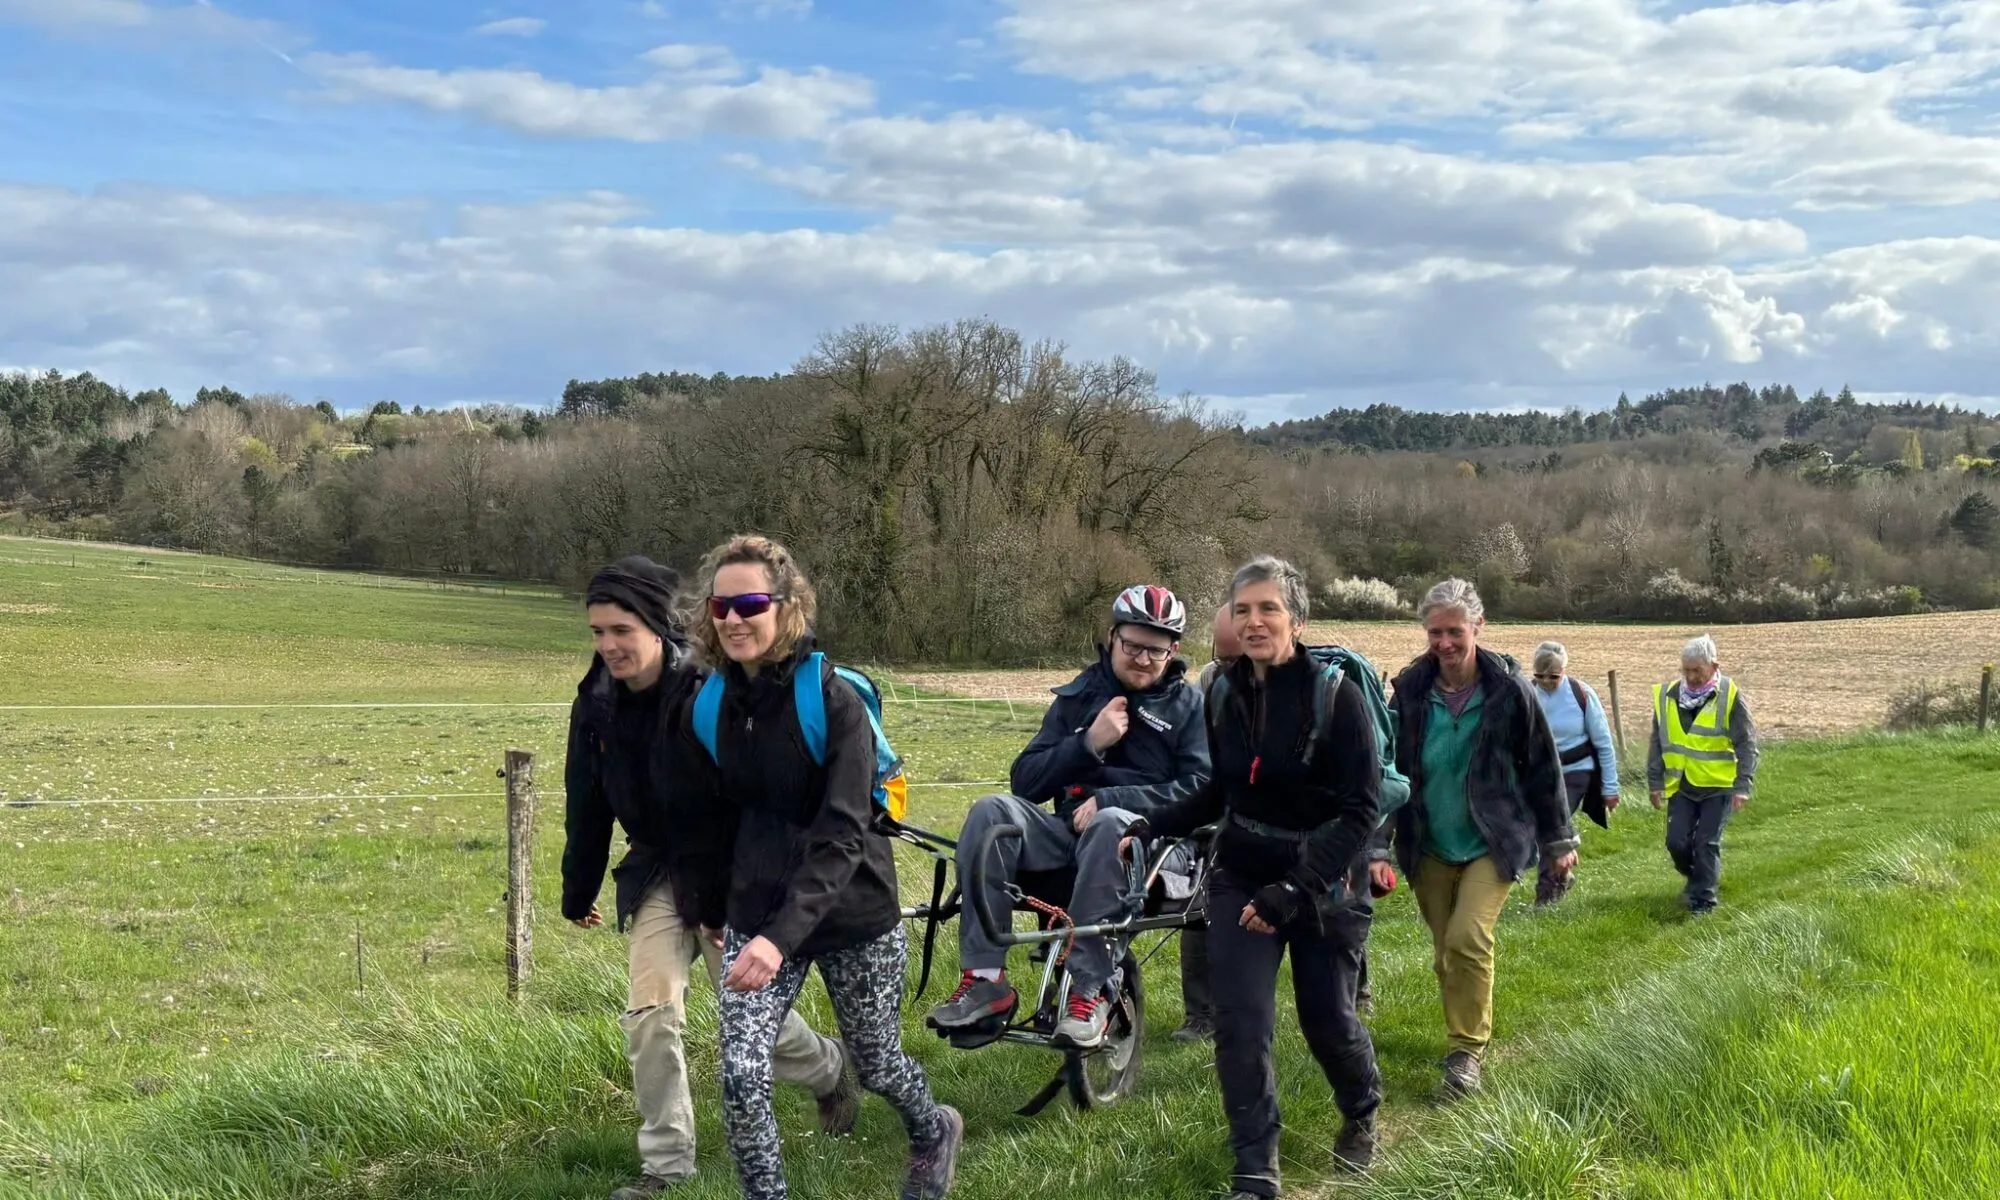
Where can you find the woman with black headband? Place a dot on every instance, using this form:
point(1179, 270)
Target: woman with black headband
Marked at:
point(628, 754)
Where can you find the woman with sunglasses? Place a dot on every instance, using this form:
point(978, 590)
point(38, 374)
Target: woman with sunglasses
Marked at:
point(810, 883)
point(1583, 744)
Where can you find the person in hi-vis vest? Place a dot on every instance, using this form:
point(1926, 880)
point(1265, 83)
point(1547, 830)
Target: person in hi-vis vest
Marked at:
point(1701, 764)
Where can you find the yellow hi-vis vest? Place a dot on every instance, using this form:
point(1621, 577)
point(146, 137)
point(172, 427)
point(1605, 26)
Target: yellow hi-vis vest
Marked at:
point(1697, 749)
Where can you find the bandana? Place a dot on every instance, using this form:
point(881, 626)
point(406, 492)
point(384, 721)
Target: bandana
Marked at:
point(1694, 698)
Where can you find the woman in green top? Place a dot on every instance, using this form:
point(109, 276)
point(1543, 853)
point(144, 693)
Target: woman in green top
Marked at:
point(1487, 803)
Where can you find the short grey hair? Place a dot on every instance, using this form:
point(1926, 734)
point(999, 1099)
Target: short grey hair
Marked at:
point(1551, 656)
point(1453, 593)
point(1700, 650)
point(1290, 580)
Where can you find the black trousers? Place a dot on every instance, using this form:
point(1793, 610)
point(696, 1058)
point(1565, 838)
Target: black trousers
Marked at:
point(1326, 950)
point(1695, 817)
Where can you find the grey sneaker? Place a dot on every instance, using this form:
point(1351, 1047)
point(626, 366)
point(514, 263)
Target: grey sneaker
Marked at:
point(1083, 1026)
point(838, 1108)
point(975, 1000)
point(1461, 1076)
point(1354, 1149)
point(1194, 1029)
point(647, 1187)
point(933, 1168)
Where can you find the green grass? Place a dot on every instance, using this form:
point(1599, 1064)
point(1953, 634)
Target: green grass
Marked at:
point(180, 1014)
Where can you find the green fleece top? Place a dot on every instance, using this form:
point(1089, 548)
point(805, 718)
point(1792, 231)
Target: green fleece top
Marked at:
point(1450, 833)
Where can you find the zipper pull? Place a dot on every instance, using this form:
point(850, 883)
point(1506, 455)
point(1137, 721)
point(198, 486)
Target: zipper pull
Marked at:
point(1254, 764)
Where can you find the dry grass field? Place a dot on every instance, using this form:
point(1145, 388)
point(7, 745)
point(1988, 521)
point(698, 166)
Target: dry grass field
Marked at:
point(1801, 678)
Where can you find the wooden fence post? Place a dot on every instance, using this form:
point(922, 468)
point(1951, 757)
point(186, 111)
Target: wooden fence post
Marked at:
point(1985, 696)
point(1618, 719)
point(520, 776)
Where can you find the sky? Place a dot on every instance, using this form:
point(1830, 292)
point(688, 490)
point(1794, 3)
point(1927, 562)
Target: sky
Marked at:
point(1284, 205)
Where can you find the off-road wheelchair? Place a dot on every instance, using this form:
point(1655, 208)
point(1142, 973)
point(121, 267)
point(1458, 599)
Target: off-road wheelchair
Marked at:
point(1109, 1072)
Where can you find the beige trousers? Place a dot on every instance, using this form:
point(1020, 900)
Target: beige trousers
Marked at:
point(1461, 904)
point(663, 952)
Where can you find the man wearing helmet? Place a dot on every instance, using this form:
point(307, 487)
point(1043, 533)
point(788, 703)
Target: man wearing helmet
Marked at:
point(1119, 740)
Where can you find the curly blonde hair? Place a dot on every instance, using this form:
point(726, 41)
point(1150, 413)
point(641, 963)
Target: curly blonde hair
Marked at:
point(797, 605)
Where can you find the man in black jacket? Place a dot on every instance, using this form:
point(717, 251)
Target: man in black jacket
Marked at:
point(1121, 739)
point(629, 753)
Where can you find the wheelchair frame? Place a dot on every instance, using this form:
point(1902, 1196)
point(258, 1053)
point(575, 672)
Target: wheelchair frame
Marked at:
point(1099, 1076)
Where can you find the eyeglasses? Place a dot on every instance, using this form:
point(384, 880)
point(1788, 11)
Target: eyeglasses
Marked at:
point(1542, 678)
point(747, 605)
point(1140, 652)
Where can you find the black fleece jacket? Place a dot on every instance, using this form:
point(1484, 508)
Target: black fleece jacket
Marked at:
point(1255, 746)
point(633, 763)
point(1515, 789)
point(1163, 755)
point(807, 871)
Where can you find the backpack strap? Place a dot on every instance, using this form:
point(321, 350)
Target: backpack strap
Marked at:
point(1582, 697)
point(809, 699)
point(708, 713)
point(1331, 676)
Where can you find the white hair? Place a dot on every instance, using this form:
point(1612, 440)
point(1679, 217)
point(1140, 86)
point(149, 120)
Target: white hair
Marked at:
point(1551, 656)
point(1700, 650)
point(1450, 594)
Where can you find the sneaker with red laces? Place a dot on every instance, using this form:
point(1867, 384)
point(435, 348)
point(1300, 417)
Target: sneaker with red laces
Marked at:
point(1083, 1026)
point(976, 1000)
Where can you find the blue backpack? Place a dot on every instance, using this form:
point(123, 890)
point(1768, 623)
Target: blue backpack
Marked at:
point(892, 785)
point(1335, 664)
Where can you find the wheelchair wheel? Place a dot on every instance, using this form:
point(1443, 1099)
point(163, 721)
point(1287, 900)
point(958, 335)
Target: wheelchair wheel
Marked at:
point(1110, 1073)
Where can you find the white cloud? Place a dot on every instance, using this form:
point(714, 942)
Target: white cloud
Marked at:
point(764, 10)
point(778, 104)
point(197, 22)
point(521, 27)
point(165, 286)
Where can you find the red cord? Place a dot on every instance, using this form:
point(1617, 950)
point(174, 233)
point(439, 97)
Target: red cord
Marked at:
point(1055, 916)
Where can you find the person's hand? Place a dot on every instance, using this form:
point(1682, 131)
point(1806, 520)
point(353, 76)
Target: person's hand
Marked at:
point(1610, 803)
point(1737, 802)
point(1382, 877)
point(1109, 727)
point(1081, 818)
point(1658, 798)
point(589, 922)
point(1252, 922)
point(755, 966)
point(1565, 864)
point(712, 936)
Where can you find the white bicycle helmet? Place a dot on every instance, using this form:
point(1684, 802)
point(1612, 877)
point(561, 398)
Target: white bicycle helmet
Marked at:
point(1152, 607)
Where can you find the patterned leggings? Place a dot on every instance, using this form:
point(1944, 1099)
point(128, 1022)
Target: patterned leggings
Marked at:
point(865, 984)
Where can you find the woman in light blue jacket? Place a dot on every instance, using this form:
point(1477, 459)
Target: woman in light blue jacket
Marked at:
point(1583, 739)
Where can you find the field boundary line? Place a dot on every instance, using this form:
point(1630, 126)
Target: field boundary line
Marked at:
point(416, 704)
point(30, 802)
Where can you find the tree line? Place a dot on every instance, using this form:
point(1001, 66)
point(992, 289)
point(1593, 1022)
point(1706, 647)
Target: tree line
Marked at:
point(965, 495)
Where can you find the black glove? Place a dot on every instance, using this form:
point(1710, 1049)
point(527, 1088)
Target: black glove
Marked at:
point(1279, 902)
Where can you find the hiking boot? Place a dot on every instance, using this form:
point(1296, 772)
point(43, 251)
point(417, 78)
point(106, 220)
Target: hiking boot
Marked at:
point(976, 1000)
point(1240, 1194)
point(1461, 1076)
point(1354, 1149)
point(647, 1187)
point(932, 1169)
point(1194, 1029)
point(838, 1108)
point(1083, 1026)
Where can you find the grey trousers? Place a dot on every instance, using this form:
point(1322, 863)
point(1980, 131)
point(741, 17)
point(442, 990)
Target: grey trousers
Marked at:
point(1695, 817)
point(1047, 844)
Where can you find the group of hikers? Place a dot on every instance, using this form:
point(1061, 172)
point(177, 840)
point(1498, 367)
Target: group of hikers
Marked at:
point(742, 767)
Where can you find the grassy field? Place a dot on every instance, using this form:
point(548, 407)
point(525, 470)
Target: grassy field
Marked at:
point(181, 891)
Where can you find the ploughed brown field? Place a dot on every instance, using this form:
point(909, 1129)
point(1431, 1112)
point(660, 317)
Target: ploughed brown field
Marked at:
point(1801, 679)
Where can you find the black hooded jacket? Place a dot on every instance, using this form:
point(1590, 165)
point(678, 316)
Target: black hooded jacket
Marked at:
point(1163, 755)
point(633, 762)
point(1515, 788)
point(807, 870)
